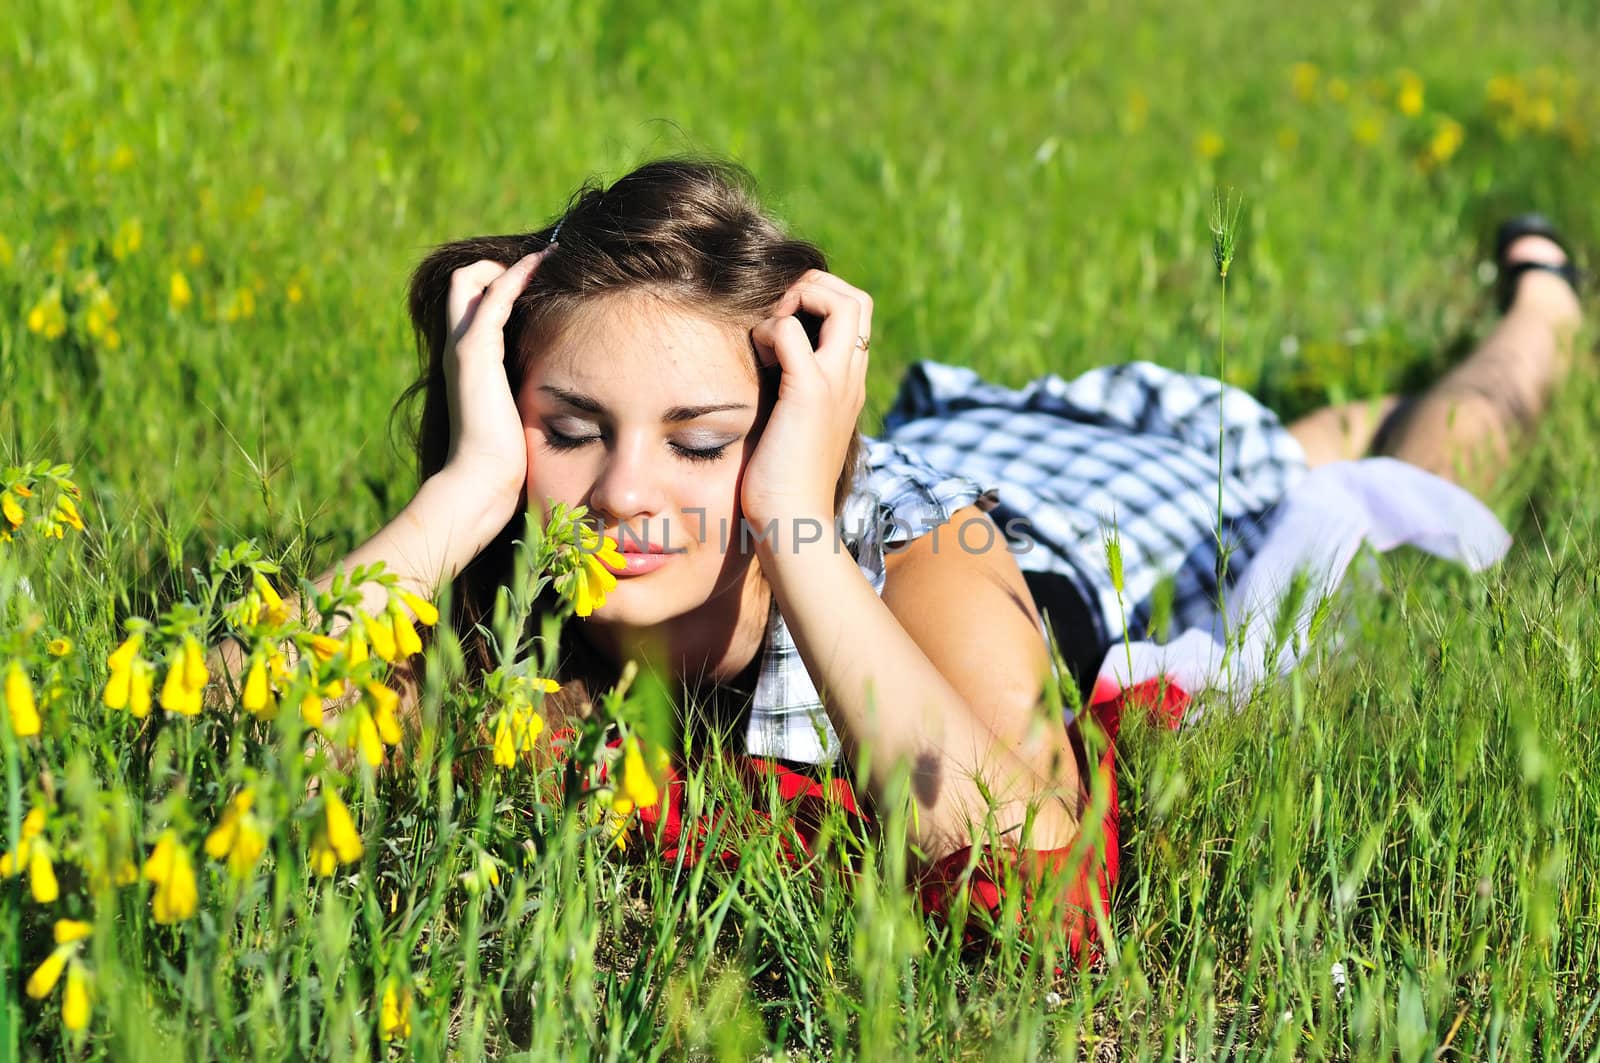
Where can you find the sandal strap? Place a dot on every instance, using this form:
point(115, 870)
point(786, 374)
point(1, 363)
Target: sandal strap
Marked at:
point(1511, 274)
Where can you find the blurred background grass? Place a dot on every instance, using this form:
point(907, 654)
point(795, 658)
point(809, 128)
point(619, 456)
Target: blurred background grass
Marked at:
point(1023, 190)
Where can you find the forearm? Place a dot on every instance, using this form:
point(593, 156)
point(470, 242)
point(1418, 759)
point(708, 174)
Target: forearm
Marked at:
point(427, 544)
point(886, 697)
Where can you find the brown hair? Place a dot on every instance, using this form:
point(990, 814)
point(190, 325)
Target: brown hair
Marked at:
point(688, 231)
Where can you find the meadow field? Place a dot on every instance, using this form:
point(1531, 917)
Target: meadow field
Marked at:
point(208, 214)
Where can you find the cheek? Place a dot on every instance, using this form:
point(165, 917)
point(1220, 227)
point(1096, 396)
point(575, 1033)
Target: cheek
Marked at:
point(710, 505)
point(551, 477)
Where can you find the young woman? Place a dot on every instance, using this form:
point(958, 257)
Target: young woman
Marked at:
point(666, 356)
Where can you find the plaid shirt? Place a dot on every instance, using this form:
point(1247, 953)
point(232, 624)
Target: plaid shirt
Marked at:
point(1055, 464)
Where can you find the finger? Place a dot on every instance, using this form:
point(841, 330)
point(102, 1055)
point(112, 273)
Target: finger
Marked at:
point(827, 280)
point(782, 341)
point(467, 285)
point(494, 308)
point(841, 319)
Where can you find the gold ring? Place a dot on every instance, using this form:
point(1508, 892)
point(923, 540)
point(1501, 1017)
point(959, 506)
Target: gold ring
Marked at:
point(862, 343)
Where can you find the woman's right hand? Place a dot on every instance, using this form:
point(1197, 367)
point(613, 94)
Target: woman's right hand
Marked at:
point(487, 448)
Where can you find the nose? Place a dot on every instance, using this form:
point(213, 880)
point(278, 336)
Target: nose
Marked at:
point(629, 487)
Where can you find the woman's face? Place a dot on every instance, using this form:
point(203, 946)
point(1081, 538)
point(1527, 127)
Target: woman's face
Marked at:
point(644, 413)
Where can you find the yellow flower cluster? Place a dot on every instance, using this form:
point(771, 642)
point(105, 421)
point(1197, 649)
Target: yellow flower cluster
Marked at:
point(394, 1011)
point(22, 710)
point(518, 723)
point(98, 313)
point(583, 576)
point(69, 936)
point(17, 488)
point(169, 662)
point(336, 840)
point(187, 676)
point(48, 317)
point(1369, 122)
point(238, 838)
point(637, 788)
point(34, 853)
point(170, 869)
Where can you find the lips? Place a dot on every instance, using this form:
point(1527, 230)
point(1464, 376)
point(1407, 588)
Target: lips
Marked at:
point(640, 558)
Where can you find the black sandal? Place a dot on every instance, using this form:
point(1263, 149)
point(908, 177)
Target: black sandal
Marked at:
point(1511, 272)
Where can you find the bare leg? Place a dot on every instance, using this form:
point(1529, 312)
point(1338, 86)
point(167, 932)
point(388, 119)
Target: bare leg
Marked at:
point(1342, 433)
point(1465, 426)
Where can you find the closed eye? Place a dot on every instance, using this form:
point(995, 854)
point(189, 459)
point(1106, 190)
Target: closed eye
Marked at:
point(556, 441)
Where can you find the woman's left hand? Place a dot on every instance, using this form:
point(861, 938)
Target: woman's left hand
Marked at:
point(795, 468)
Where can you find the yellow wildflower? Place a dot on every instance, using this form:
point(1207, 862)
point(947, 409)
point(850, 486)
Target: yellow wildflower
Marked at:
point(21, 708)
point(121, 662)
point(326, 647)
point(637, 784)
point(196, 254)
point(1447, 139)
point(75, 998)
point(58, 647)
point(141, 679)
point(48, 318)
point(1208, 145)
point(394, 1012)
point(121, 159)
point(171, 868)
point(179, 294)
point(426, 613)
point(100, 315)
point(274, 611)
point(186, 679)
point(293, 293)
point(1303, 79)
point(240, 305)
point(516, 729)
point(33, 850)
point(11, 509)
point(129, 238)
point(406, 640)
point(377, 723)
point(336, 841)
point(311, 709)
point(44, 978)
point(69, 930)
point(381, 636)
point(1542, 114)
point(67, 513)
point(257, 697)
point(238, 837)
point(1338, 90)
point(589, 583)
point(1410, 97)
point(7, 256)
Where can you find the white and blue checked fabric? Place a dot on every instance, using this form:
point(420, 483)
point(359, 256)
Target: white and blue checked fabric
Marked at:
point(1056, 464)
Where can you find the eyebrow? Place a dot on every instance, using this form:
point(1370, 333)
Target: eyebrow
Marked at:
point(676, 413)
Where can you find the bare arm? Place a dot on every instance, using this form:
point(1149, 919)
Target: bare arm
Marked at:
point(944, 672)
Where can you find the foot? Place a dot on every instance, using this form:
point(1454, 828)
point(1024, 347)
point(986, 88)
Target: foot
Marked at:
point(1540, 290)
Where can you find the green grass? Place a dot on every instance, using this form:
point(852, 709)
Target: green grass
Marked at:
point(1022, 189)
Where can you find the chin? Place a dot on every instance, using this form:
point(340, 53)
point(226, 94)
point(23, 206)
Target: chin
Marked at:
point(627, 607)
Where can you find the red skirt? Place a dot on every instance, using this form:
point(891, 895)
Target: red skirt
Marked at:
point(1085, 872)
